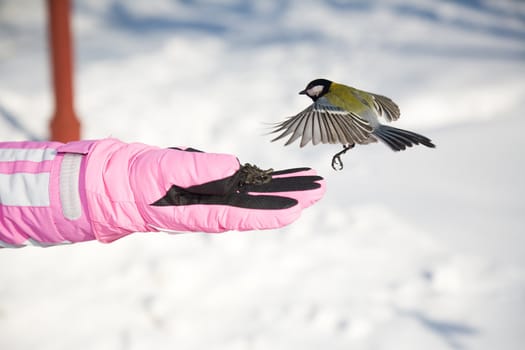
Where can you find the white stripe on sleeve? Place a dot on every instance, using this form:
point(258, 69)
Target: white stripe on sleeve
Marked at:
point(27, 154)
point(24, 189)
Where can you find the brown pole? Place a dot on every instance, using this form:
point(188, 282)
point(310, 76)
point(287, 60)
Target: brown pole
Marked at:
point(65, 125)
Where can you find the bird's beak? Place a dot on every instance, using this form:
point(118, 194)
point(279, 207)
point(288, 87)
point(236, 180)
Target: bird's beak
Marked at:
point(302, 92)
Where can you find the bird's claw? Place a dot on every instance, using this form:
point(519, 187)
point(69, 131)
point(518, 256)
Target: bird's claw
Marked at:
point(337, 163)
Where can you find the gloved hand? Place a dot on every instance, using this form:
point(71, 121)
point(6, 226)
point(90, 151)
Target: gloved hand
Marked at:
point(250, 198)
point(210, 192)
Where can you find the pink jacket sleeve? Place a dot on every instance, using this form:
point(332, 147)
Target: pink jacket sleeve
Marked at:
point(53, 193)
point(42, 198)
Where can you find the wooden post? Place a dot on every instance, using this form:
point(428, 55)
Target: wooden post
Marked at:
point(65, 126)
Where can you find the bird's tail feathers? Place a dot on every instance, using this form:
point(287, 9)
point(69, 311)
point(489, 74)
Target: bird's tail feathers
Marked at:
point(399, 139)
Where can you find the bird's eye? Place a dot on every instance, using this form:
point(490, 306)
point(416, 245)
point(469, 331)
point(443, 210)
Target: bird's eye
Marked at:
point(315, 90)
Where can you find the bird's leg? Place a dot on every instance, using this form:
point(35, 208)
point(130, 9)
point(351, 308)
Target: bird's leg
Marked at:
point(337, 163)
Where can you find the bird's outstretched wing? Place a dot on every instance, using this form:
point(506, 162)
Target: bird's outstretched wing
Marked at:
point(386, 107)
point(322, 122)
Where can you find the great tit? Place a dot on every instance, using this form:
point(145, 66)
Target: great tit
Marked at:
point(346, 115)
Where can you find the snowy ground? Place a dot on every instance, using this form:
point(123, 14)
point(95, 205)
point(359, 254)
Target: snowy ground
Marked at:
point(421, 249)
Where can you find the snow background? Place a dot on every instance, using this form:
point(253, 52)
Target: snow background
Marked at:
point(423, 248)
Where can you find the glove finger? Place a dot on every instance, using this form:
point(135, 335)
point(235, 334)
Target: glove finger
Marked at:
point(301, 184)
point(241, 219)
point(292, 172)
point(221, 218)
point(285, 184)
point(306, 198)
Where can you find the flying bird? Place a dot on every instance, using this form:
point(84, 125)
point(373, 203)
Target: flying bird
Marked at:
point(345, 115)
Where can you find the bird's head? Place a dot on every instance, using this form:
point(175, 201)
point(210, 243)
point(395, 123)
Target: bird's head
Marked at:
point(316, 88)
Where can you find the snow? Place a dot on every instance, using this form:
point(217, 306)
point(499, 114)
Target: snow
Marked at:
point(423, 248)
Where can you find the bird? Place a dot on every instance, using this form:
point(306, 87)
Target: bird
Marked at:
point(345, 115)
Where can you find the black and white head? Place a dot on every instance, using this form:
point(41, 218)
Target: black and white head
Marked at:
point(316, 88)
